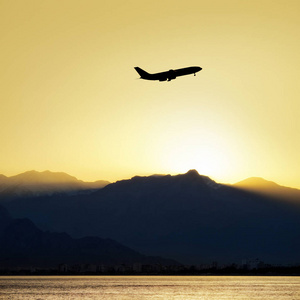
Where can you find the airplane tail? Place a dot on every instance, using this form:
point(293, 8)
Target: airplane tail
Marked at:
point(142, 73)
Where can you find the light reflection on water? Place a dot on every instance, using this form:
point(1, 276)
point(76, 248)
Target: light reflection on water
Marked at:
point(149, 287)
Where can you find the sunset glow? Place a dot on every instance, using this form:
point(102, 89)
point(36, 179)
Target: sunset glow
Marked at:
point(71, 100)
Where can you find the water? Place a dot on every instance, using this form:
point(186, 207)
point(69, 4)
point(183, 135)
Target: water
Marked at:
point(149, 287)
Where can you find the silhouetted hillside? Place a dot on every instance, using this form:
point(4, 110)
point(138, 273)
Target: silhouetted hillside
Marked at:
point(3, 179)
point(269, 188)
point(187, 217)
point(5, 218)
point(24, 245)
point(33, 183)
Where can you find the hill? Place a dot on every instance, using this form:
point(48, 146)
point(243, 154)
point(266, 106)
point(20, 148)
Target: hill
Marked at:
point(269, 188)
point(187, 217)
point(23, 245)
point(33, 183)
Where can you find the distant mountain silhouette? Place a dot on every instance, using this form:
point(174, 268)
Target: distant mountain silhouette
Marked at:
point(24, 245)
point(3, 179)
point(33, 183)
point(269, 188)
point(187, 217)
point(256, 182)
point(5, 218)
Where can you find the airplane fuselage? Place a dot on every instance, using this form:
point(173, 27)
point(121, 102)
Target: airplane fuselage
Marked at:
point(167, 75)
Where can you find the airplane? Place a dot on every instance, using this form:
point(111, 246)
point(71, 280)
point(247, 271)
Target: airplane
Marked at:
point(167, 75)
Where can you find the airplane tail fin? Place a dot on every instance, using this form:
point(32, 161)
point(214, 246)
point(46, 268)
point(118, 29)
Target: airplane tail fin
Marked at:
point(141, 72)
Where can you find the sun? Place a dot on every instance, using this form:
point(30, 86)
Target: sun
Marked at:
point(209, 154)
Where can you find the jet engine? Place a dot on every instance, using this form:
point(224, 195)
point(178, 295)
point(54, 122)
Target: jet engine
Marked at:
point(171, 75)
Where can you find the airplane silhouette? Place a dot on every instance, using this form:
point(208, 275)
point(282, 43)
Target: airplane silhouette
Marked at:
point(167, 75)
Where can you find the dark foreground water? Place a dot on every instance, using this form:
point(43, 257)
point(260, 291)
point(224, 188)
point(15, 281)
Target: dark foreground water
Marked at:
point(146, 287)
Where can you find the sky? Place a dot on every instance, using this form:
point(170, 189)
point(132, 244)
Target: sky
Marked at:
point(72, 102)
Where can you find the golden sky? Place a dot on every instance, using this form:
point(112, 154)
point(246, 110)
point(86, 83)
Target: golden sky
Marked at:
point(71, 100)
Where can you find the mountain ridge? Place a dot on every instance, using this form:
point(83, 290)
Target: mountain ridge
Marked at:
point(183, 217)
point(33, 175)
point(34, 183)
point(268, 188)
point(24, 245)
point(44, 176)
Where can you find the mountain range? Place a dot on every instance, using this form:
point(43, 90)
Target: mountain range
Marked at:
point(269, 188)
point(24, 245)
point(33, 183)
point(187, 217)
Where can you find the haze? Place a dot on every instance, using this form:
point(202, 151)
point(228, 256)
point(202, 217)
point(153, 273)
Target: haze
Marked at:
point(71, 100)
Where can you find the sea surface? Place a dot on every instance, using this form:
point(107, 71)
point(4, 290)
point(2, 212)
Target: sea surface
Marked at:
point(149, 287)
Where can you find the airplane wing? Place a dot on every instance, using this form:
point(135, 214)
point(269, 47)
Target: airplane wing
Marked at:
point(162, 76)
